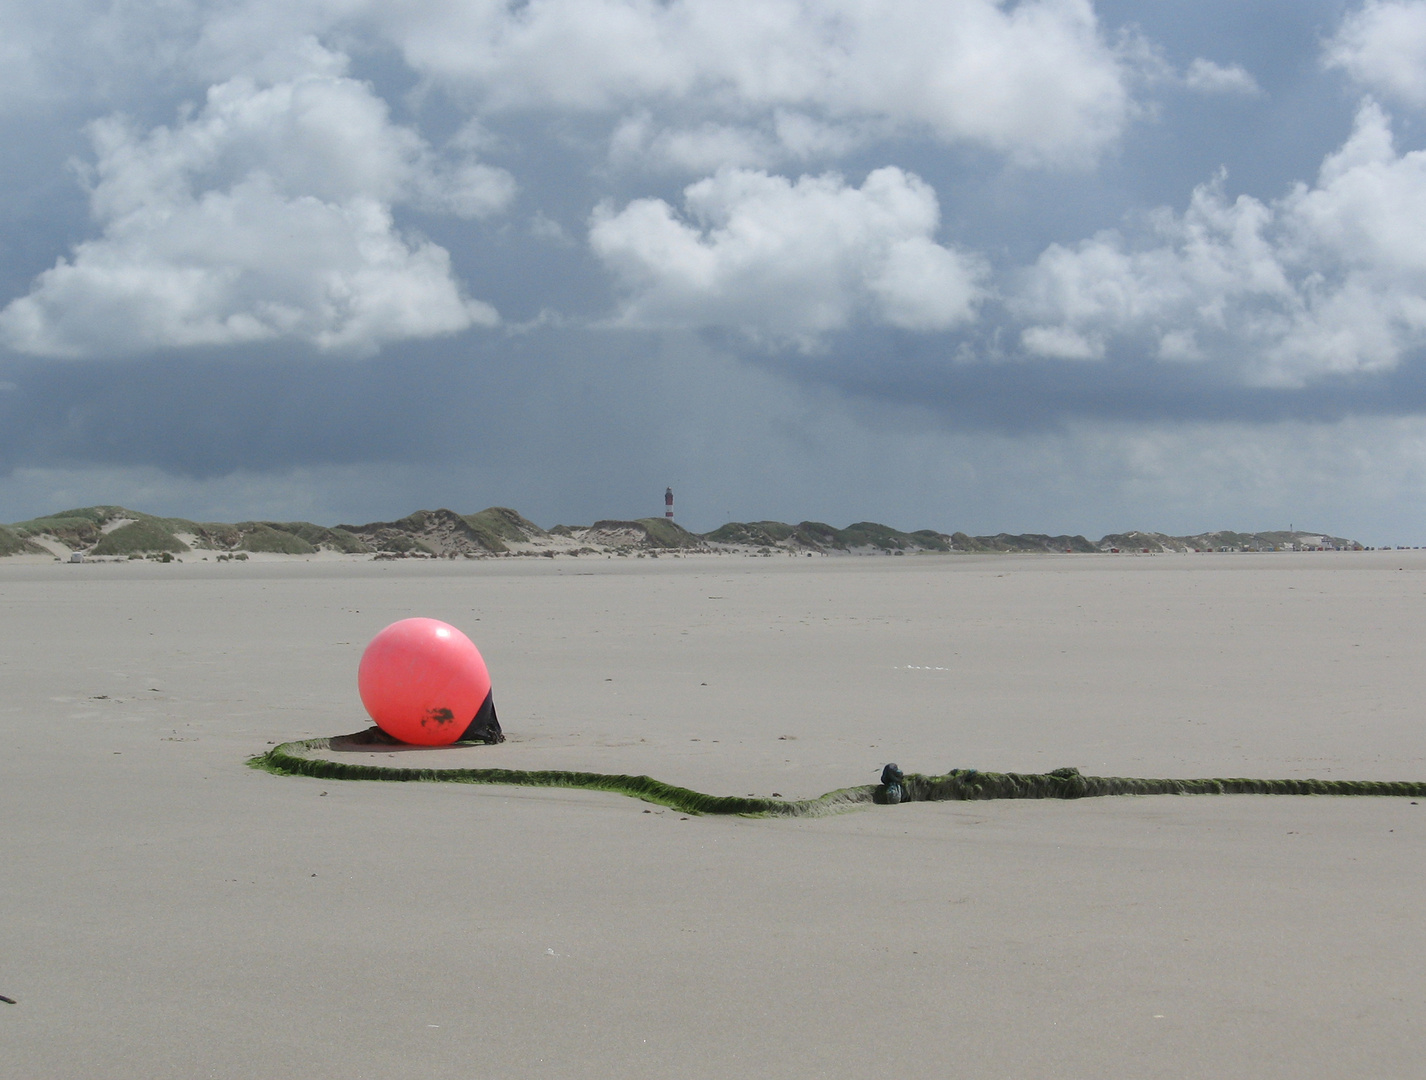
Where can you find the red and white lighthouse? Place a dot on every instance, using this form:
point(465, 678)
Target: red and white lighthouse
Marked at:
point(668, 503)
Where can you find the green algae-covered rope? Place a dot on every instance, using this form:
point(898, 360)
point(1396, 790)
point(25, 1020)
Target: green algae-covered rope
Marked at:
point(958, 784)
point(283, 761)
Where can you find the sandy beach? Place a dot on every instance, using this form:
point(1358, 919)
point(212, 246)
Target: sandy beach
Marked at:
point(172, 913)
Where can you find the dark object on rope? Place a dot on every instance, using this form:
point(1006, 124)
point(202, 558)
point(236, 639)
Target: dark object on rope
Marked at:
point(485, 728)
point(891, 791)
point(1071, 784)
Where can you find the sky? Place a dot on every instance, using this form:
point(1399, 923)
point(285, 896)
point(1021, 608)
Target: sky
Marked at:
point(1047, 266)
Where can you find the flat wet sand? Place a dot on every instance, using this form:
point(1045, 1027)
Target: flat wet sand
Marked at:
point(169, 912)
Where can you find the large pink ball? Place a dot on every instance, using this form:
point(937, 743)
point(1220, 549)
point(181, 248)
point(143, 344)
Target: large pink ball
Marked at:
point(422, 681)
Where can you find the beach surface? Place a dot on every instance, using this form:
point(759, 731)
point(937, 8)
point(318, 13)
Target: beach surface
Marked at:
point(169, 912)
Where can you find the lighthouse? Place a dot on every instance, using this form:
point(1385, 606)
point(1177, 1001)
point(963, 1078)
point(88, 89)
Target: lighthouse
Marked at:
point(668, 503)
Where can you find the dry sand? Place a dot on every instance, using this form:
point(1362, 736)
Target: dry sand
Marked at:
point(168, 912)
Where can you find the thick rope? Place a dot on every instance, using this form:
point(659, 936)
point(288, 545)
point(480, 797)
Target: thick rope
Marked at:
point(290, 759)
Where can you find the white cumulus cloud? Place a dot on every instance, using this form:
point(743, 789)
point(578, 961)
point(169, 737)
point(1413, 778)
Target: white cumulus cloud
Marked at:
point(1208, 77)
point(1036, 80)
point(1061, 343)
point(1330, 278)
point(267, 214)
point(788, 260)
point(1383, 46)
point(641, 142)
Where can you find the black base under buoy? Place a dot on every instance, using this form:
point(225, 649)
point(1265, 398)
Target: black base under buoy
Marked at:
point(485, 728)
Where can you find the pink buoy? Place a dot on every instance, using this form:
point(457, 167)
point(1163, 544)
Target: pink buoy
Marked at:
point(422, 681)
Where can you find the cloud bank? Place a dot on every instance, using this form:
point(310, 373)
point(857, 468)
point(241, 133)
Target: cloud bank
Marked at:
point(1038, 81)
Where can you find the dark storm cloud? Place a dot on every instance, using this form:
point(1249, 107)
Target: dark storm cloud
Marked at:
point(1036, 396)
point(556, 395)
point(261, 412)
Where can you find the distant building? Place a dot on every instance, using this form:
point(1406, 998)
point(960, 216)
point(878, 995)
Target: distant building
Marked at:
point(668, 503)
